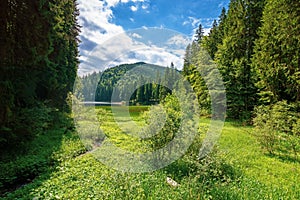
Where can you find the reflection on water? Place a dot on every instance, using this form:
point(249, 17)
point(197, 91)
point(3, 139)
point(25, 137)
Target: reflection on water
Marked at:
point(99, 103)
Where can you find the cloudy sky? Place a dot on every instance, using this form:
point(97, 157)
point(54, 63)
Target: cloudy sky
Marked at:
point(153, 31)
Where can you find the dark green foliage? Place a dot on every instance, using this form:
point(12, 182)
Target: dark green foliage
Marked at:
point(28, 121)
point(276, 63)
point(60, 65)
point(108, 80)
point(277, 55)
point(256, 47)
point(89, 85)
point(234, 56)
point(215, 38)
point(199, 34)
point(121, 80)
point(277, 127)
point(38, 63)
point(199, 72)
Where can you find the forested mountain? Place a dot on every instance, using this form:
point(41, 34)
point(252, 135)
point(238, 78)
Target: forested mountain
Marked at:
point(38, 63)
point(146, 85)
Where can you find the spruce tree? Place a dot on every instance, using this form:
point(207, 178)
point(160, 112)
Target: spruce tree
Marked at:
point(234, 56)
point(277, 52)
point(212, 42)
point(38, 60)
point(199, 34)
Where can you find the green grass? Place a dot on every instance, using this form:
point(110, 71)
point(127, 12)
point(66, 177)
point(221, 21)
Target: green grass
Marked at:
point(121, 126)
point(238, 169)
point(264, 176)
point(24, 164)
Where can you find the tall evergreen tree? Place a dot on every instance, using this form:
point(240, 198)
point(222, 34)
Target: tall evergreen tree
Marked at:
point(234, 55)
point(187, 58)
point(199, 34)
point(215, 38)
point(38, 54)
point(62, 61)
point(277, 52)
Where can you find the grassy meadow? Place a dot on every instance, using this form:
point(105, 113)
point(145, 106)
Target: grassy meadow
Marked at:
point(237, 169)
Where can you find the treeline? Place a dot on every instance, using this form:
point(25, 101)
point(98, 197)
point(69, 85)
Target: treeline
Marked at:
point(256, 47)
point(147, 87)
point(88, 85)
point(38, 64)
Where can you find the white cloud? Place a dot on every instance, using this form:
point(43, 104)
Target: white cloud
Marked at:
point(124, 48)
point(144, 7)
point(194, 21)
point(95, 20)
point(206, 31)
point(134, 8)
point(113, 45)
point(135, 35)
point(112, 3)
point(179, 41)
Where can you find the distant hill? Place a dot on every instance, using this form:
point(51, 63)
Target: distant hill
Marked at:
point(123, 81)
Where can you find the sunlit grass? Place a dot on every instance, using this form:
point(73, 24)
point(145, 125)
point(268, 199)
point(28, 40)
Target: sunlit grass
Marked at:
point(239, 169)
point(122, 126)
point(243, 150)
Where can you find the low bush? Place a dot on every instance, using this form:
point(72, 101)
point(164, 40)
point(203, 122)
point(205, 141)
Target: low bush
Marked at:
point(278, 128)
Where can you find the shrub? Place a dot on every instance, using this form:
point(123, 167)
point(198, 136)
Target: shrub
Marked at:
point(278, 127)
point(28, 122)
point(170, 128)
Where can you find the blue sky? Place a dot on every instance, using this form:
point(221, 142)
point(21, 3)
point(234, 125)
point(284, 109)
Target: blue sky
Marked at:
point(127, 31)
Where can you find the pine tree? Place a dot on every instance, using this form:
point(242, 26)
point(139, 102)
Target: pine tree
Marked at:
point(215, 38)
point(277, 52)
point(199, 34)
point(62, 52)
point(187, 58)
point(140, 93)
point(38, 54)
point(234, 56)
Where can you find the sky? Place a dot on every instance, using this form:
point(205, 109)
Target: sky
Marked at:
point(115, 32)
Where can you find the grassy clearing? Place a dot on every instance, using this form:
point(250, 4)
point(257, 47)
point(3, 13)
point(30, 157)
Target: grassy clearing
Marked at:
point(263, 176)
point(120, 126)
point(239, 169)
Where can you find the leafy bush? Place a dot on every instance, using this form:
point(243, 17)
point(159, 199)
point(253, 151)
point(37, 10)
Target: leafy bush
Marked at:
point(157, 116)
point(170, 128)
point(28, 122)
point(278, 127)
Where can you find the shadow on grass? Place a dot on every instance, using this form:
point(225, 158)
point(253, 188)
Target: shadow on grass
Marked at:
point(35, 160)
point(287, 158)
point(209, 170)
